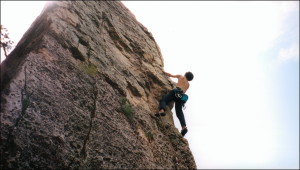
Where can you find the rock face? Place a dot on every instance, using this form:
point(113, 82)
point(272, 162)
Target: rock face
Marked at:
point(80, 91)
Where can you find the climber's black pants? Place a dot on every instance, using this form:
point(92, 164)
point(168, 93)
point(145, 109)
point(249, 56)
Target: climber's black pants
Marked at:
point(178, 105)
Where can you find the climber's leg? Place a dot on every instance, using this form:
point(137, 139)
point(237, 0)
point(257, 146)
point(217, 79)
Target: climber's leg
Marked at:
point(164, 102)
point(179, 113)
point(180, 116)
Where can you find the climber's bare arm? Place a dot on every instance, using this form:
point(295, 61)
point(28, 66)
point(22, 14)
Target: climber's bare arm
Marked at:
point(171, 75)
point(182, 81)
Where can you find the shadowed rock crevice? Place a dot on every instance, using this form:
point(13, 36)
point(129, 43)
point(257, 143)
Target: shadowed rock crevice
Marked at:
point(80, 91)
point(77, 54)
point(92, 116)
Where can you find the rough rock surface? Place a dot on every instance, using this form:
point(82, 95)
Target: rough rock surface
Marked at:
point(80, 90)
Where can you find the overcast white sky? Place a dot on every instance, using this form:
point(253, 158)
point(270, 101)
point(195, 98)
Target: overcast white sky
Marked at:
point(243, 108)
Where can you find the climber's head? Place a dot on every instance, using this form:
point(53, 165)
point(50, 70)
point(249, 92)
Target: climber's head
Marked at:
point(189, 76)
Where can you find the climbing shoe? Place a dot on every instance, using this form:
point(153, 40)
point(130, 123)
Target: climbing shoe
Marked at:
point(163, 114)
point(157, 114)
point(184, 131)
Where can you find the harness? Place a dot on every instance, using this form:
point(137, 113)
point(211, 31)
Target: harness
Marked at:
point(180, 95)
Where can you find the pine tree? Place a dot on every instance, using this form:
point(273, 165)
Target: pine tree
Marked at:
point(6, 43)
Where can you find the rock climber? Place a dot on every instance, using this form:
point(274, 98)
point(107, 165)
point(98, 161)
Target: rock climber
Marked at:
point(178, 96)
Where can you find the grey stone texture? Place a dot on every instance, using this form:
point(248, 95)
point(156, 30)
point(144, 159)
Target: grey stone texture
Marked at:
point(80, 91)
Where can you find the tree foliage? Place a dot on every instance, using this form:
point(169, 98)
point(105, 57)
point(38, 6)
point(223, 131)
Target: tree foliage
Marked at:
point(6, 43)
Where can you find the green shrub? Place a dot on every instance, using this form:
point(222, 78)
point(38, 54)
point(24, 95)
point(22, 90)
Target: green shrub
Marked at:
point(150, 136)
point(172, 138)
point(127, 109)
point(123, 100)
point(89, 69)
point(25, 104)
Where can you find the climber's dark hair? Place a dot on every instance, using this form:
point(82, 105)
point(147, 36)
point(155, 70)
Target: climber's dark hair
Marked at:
point(189, 76)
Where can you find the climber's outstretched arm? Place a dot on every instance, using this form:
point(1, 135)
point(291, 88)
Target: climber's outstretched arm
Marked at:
point(170, 75)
